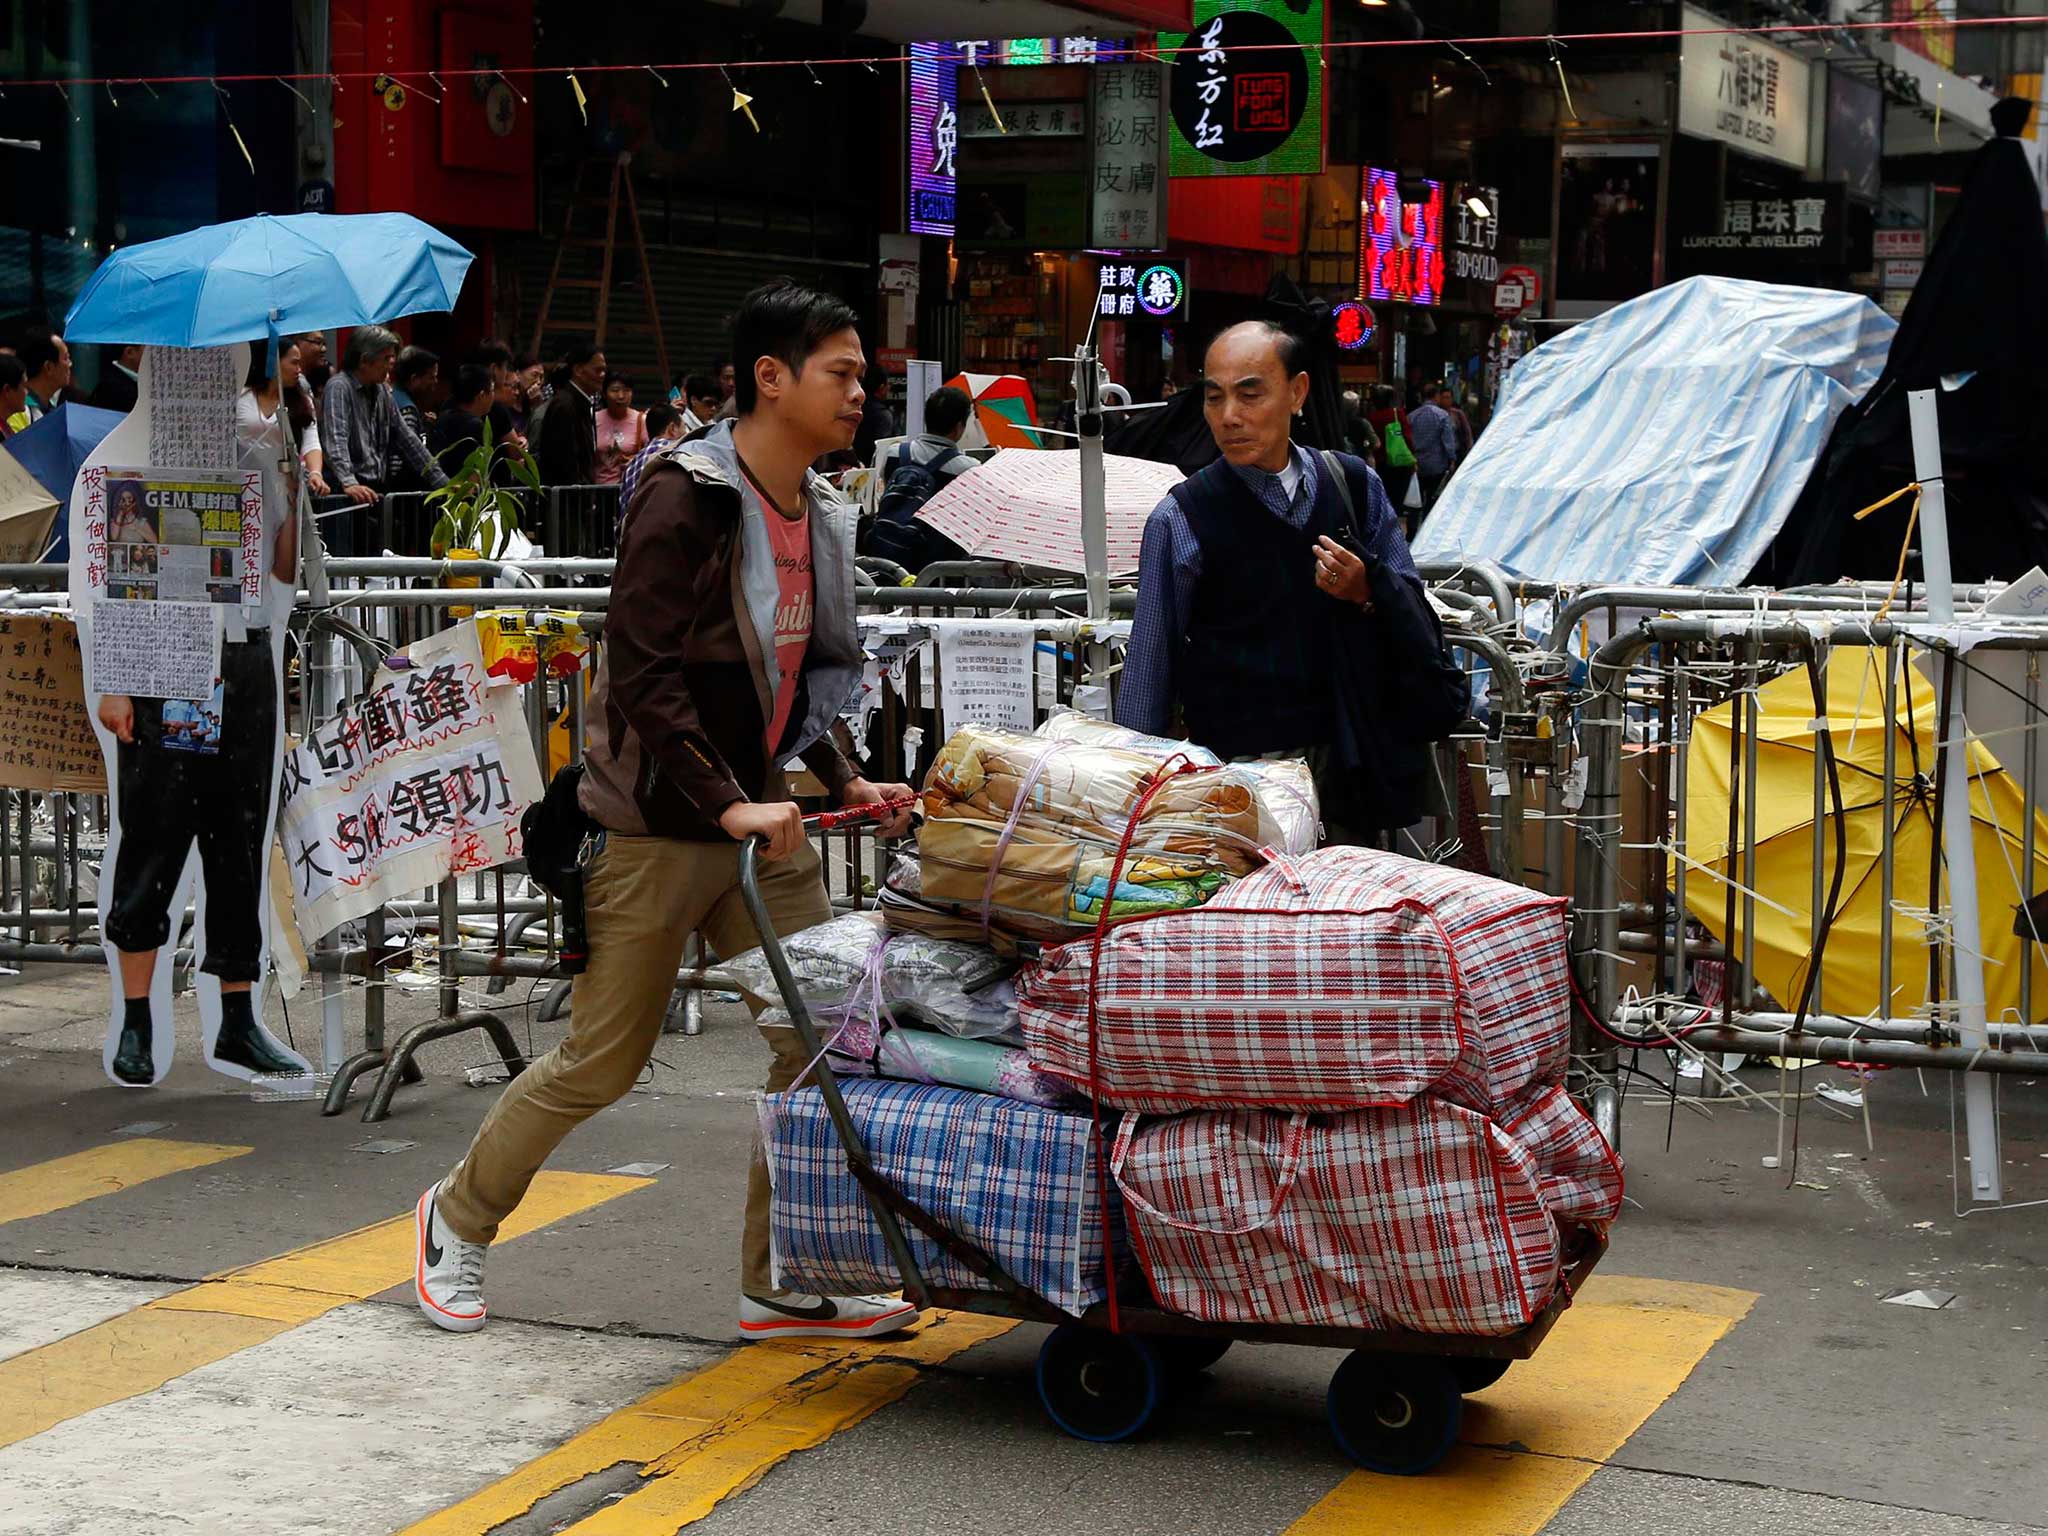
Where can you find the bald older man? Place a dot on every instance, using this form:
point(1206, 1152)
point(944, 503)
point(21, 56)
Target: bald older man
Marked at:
point(1268, 598)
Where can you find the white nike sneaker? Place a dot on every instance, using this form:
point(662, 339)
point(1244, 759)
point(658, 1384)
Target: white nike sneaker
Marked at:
point(448, 1273)
point(794, 1315)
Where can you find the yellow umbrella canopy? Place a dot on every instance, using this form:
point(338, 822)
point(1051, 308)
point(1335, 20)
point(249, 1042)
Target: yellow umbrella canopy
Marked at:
point(1787, 745)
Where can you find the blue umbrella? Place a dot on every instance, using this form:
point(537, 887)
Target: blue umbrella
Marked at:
point(52, 449)
point(305, 272)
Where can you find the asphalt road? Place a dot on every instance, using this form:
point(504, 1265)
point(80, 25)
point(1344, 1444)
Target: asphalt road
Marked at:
point(1733, 1371)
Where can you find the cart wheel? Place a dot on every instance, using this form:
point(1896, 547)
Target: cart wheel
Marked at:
point(1475, 1374)
point(1396, 1414)
point(1187, 1356)
point(1099, 1386)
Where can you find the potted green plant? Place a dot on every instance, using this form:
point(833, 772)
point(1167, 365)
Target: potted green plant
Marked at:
point(478, 513)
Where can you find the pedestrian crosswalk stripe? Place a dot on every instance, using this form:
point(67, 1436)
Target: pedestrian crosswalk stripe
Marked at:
point(163, 1339)
point(42, 1188)
point(719, 1431)
point(1530, 1442)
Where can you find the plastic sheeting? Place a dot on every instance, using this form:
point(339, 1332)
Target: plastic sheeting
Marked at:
point(1664, 442)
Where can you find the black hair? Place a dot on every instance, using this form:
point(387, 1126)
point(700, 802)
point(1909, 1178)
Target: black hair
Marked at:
point(613, 376)
point(491, 352)
point(413, 363)
point(784, 321)
point(39, 349)
point(471, 380)
point(297, 403)
point(698, 386)
point(660, 418)
point(12, 374)
point(579, 354)
point(946, 410)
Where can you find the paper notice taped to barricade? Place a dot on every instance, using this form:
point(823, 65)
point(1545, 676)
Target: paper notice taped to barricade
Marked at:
point(988, 675)
point(422, 777)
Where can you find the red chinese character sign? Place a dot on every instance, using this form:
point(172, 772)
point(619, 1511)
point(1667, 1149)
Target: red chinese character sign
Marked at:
point(1400, 240)
point(1352, 327)
point(1247, 93)
point(183, 565)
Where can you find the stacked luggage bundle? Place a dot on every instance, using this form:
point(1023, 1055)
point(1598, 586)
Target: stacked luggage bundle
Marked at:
point(1331, 1083)
point(1344, 1095)
point(1016, 850)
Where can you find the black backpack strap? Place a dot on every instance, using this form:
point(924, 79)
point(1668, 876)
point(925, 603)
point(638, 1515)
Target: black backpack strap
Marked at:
point(1335, 467)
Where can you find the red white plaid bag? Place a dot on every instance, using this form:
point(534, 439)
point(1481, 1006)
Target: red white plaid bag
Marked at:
point(1578, 1174)
point(1427, 1217)
point(1343, 979)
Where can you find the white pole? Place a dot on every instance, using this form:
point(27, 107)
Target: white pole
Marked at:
point(1088, 382)
point(1957, 836)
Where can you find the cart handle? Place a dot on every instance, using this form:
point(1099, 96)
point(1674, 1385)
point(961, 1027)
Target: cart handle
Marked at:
point(914, 1283)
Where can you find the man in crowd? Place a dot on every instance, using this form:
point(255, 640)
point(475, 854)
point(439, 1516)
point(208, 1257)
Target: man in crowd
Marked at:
point(566, 441)
point(701, 399)
point(361, 432)
point(1434, 438)
point(460, 426)
point(120, 379)
point(914, 472)
point(48, 363)
point(664, 425)
point(1447, 397)
point(726, 537)
point(1257, 572)
point(416, 391)
point(316, 370)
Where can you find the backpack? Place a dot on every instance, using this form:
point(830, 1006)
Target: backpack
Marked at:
point(1399, 454)
point(896, 534)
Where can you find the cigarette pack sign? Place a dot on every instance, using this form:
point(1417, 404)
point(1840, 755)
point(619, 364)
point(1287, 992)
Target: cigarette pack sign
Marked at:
point(1247, 92)
point(423, 777)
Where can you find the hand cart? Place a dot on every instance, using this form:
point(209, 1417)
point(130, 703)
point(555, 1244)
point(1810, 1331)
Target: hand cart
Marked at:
point(1394, 1403)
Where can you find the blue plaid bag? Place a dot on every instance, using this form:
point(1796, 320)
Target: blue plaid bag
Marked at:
point(1014, 1179)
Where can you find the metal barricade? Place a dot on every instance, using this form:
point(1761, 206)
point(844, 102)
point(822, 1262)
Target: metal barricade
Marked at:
point(1648, 686)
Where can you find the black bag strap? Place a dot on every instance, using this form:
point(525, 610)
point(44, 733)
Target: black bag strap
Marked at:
point(1335, 466)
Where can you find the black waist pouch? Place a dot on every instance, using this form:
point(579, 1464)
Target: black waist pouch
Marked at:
point(555, 831)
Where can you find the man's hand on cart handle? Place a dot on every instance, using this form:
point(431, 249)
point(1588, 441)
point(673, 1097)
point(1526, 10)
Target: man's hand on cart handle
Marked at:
point(888, 805)
point(779, 825)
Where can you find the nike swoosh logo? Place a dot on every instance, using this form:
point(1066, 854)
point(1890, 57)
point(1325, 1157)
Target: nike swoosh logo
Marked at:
point(433, 1248)
point(823, 1310)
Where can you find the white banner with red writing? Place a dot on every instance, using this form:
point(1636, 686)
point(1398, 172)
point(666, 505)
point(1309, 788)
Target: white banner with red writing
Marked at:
point(423, 776)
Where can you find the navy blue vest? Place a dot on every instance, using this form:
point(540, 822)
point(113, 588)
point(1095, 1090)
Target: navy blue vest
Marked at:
point(1255, 674)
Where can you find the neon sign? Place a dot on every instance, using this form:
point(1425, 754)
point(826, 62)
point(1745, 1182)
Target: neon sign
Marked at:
point(1400, 244)
point(1352, 324)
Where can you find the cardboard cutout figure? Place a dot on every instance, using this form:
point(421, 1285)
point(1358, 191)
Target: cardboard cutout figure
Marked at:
point(184, 558)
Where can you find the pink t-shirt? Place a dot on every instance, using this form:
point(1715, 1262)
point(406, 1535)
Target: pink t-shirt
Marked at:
point(617, 443)
point(790, 538)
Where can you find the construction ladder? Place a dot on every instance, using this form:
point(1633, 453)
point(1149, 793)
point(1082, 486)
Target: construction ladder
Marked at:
point(621, 182)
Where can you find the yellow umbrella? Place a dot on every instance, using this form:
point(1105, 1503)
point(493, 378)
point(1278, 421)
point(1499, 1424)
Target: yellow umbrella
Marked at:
point(1785, 750)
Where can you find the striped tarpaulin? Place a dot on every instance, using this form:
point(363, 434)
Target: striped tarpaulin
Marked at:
point(1024, 505)
point(1664, 442)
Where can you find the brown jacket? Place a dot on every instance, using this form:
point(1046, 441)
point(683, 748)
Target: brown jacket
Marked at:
point(687, 680)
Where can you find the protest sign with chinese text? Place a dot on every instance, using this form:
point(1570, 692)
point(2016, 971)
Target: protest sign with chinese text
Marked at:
point(424, 776)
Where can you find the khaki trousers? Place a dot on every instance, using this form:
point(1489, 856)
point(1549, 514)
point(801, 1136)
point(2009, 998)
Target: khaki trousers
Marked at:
point(645, 896)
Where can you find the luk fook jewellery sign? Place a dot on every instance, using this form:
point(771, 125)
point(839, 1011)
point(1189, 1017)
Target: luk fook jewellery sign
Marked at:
point(1742, 91)
point(178, 539)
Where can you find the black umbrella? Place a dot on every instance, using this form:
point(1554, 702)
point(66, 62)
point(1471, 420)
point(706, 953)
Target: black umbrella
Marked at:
point(1979, 314)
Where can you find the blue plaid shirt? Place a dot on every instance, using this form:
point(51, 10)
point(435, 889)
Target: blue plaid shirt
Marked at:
point(1170, 565)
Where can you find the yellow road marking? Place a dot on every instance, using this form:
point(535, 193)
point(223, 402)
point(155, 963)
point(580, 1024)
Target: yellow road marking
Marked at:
point(63, 1181)
point(1623, 1348)
point(139, 1351)
point(720, 1430)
